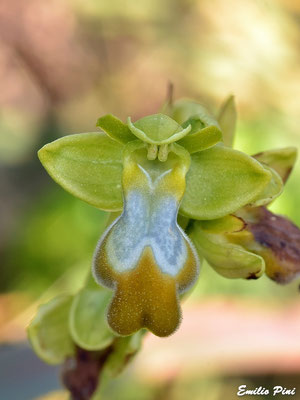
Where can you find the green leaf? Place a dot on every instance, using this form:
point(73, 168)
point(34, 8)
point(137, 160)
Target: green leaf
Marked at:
point(227, 120)
point(157, 129)
point(282, 160)
point(115, 128)
point(270, 192)
point(49, 333)
point(220, 181)
point(88, 325)
point(228, 259)
point(89, 166)
point(202, 139)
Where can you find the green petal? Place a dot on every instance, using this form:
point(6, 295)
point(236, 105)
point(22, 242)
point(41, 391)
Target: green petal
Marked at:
point(202, 139)
point(115, 128)
point(205, 131)
point(220, 181)
point(49, 333)
point(227, 120)
point(88, 325)
point(89, 166)
point(157, 129)
point(228, 259)
point(270, 192)
point(282, 160)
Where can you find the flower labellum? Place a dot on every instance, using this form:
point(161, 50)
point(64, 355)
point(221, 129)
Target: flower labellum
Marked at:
point(144, 255)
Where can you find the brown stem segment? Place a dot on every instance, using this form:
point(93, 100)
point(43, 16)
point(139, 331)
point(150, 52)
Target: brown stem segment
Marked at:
point(80, 374)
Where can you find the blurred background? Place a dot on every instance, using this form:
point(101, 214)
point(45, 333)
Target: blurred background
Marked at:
point(64, 63)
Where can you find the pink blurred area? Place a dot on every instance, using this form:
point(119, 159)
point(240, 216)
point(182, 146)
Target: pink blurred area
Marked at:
point(226, 336)
point(219, 335)
point(122, 56)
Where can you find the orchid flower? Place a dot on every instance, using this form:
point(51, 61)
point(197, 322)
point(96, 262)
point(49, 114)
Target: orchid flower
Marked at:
point(164, 176)
point(177, 194)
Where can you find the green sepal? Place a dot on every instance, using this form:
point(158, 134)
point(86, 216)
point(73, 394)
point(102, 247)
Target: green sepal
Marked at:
point(220, 181)
point(89, 166)
point(228, 259)
point(227, 120)
point(115, 128)
point(270, 192)
point(87, 320)
point(281, 160)
point(48, 332)
point(158, 129)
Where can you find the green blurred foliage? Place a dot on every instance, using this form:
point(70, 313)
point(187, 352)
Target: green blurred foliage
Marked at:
point(57, 233)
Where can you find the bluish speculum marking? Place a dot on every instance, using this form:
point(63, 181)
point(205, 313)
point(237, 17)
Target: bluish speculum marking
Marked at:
point(147, 221)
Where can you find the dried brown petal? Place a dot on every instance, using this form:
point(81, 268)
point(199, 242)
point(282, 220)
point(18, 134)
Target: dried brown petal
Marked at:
point(80, 375)
point(279, 244)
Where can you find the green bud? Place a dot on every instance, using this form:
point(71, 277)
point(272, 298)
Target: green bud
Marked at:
point(228, 259)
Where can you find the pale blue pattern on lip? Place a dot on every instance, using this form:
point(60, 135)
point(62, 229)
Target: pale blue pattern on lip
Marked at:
point(147, 221)
point(165, 234)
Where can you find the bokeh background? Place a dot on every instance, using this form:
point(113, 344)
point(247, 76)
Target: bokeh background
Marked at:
point(64, 63)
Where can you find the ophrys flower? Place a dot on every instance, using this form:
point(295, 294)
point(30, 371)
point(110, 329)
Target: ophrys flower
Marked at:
point(152, 170)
